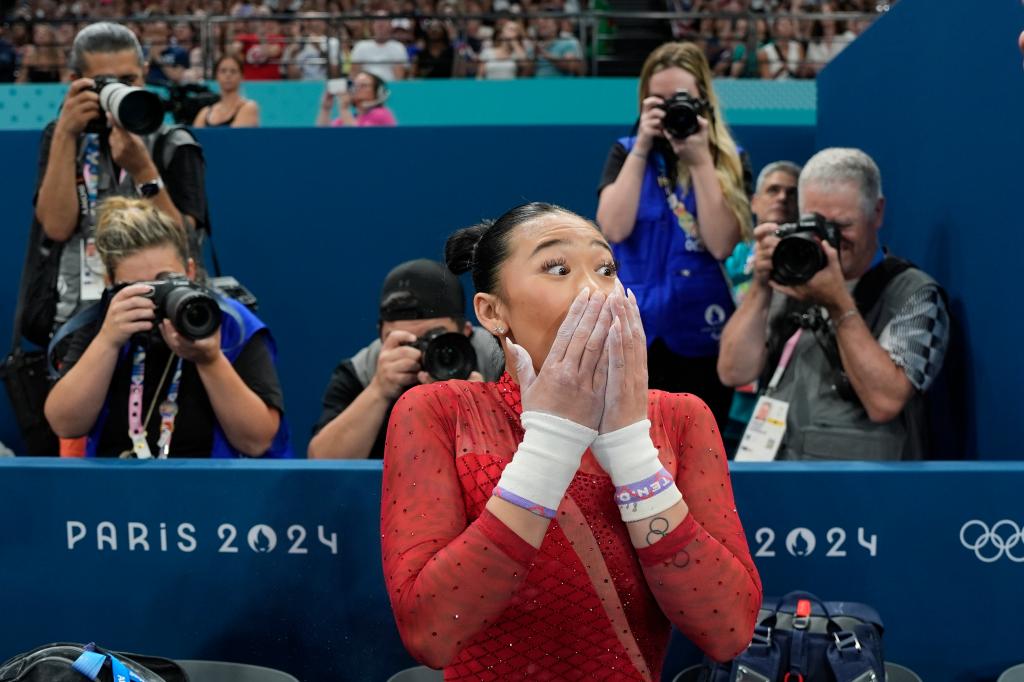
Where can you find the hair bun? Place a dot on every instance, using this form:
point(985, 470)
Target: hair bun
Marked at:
point(460, 249)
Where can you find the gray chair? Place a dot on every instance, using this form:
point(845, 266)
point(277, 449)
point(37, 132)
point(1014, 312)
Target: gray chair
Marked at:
point(420, 673)
point(220, 671)
point(690, 674)
point(893, 673)
point(1014, 674)
point(899, 673)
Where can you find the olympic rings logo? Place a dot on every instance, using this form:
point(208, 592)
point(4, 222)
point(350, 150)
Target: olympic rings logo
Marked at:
point(991, 544)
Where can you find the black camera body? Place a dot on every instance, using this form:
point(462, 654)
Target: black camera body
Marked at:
point(446, 355)
point(186, 100)
point(798, 256)
point(681, 112)
point(191, 308)
point(137, 110)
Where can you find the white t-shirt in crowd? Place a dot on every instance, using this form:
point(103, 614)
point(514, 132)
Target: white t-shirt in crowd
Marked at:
point(378, 59)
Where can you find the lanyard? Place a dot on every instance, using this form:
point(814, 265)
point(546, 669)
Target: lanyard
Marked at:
point(687, 221)
point(787, 355)
point(168, 409)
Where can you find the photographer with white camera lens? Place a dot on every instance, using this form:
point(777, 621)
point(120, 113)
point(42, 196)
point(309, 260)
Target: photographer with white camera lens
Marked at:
point(361, 103)
point(423, 337)
point(673, 205)
point(161, 372)
point(89, 154)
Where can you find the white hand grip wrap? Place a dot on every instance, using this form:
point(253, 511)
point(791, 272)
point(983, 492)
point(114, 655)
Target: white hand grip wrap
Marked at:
point(643, 488)
point(543, 467)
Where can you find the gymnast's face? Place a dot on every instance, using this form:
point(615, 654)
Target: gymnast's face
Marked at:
point(550, 259)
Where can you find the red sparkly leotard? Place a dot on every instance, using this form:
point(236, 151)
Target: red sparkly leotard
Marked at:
point(473, 597)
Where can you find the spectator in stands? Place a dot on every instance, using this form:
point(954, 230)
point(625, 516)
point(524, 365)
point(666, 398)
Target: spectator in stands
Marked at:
point(307, 58)
point(362, 105)
point(184, 37)
point(828, 38)
point(866, 335)
point(774, 201)
point(261, 51)
point(8, 57)
point(497, 498)
point(783, 57)
point(745, 62)
point(43, 61)
point(556, 55)
point(402, 31)
point(437, 58)
point(382, 56)
point(63, 229)
point(417, 297)
point(233, 110)
point(673, 210)
point(155, 39)
point(510, 57)
point(218, 396)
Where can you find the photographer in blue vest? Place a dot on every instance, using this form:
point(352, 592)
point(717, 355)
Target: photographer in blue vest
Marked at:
point(167, 369)
point(673, 205)
point(845, 338)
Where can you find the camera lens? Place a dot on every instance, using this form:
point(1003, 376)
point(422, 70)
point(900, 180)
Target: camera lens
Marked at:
point(449, 356)
point(136, 109)
point(194, 313)
point(797, 258)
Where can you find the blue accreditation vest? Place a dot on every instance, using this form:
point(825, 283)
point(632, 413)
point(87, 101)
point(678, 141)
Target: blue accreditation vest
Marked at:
point(238, 325)
point(680, 287)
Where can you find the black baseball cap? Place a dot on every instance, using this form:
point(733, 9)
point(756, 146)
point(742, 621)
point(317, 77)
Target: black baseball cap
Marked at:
point(419, 290)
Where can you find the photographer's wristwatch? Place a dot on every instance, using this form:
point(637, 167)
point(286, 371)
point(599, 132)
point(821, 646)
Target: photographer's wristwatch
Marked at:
point(150, 189)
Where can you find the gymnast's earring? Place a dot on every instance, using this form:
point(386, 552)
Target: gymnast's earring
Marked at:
point(499, 330)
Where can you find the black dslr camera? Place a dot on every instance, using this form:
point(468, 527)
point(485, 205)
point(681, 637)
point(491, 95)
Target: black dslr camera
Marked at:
point(191, 308)
point(137, 110)
point(185, 100)
point(798, 255)
point(446, 355)
point(681, 112)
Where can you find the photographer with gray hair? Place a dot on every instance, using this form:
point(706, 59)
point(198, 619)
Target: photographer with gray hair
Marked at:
point(86, 155)
point(844, 338)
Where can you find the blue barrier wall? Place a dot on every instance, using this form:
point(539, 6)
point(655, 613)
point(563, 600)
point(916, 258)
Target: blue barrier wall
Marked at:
point(950, 148)
point(311, 220)
point(279, 563)
point(558, 101)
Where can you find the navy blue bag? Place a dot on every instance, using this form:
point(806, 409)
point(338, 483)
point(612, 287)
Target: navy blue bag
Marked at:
point(800, 638)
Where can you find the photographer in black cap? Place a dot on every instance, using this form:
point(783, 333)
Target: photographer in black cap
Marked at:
point(423, 337)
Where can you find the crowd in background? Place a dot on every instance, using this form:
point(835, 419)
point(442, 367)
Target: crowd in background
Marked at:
point(440, 38)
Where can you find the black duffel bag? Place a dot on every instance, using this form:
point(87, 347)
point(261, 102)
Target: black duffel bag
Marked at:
point(66, 662)
point(800, 638)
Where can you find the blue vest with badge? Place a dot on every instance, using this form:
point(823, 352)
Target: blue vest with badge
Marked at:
point(238, 326)
point(680, 287)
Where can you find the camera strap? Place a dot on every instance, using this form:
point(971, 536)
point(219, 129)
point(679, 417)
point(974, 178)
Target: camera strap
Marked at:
point(686, 220)
point(168, 408)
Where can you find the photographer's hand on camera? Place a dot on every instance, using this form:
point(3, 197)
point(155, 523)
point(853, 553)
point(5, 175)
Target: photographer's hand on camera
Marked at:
point(81, 105)
point(650, 127)
point(827, 287)
point(398, 365)
point(129, 312)
point(765, 241)
point(201, 352)
point(129, 152)
point(695, 150)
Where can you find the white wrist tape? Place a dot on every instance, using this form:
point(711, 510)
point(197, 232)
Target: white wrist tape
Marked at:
point(643, 487)
point(545, 463)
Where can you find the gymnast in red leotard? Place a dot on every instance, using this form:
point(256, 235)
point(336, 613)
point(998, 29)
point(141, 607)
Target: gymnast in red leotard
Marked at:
point(555, 524)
